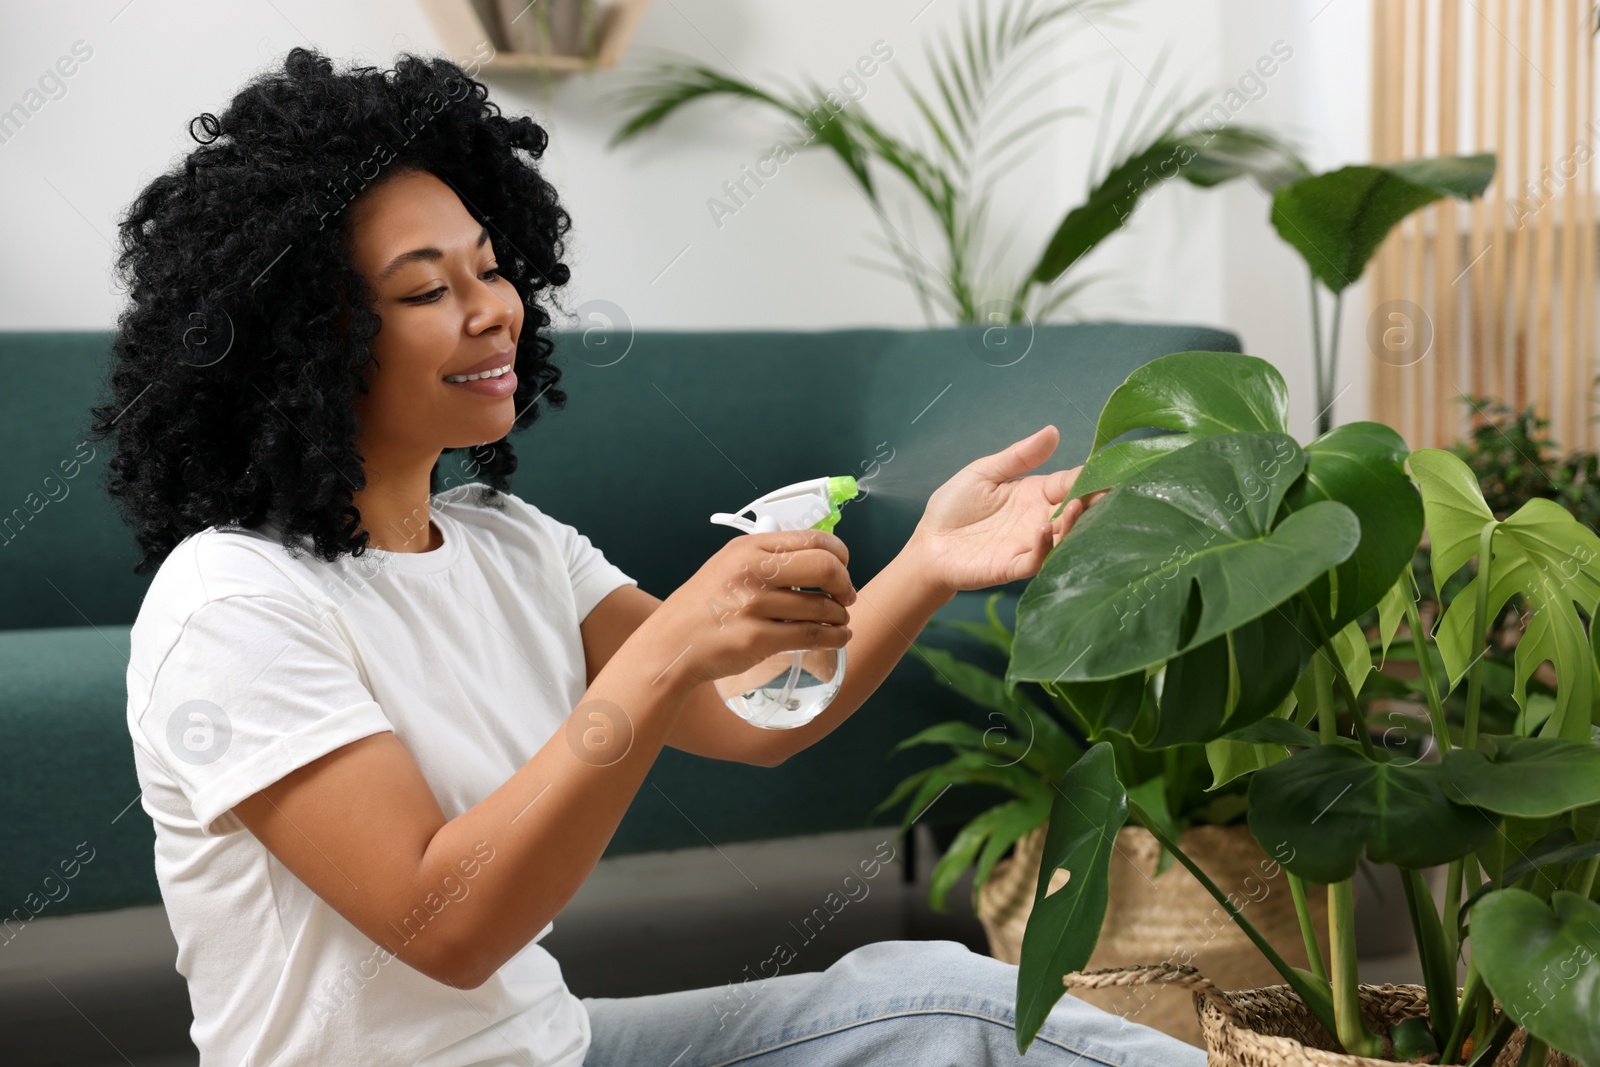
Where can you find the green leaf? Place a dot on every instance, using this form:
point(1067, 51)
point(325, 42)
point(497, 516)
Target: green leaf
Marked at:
point(1337, 220)
point(993, 741)
point(1233, 679)
point(1355, 655)
point(1002, 634)
point(1541, 554)
point(1274, 731)
point(1197, 523)
point(1552, 850)
point(1194, 394)
point(967, 768)
point(1454, 507)
point(1362, 466)
point(1391, 609)
point(1231, 759)
point(1088, 810)
point(1529, 777)
point(978, 631)
point(1022, 817)
point(1205, 159)
point(1121, 705)
point(1034, 726)
point(1202, 394)
point(1260, 744)
point(1331, 803)
point(1538, 960)
point(990, 833)
point(672, 85)
point(1552, 561)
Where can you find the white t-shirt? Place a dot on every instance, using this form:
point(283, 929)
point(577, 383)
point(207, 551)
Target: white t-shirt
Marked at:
point(248, 663)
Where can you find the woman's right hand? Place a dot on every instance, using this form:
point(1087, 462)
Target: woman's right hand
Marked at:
point(739, 608)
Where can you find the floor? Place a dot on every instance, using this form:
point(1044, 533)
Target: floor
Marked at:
point(101, 991)
point(95, 990)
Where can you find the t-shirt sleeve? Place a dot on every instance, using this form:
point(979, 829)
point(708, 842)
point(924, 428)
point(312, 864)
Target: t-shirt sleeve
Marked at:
point(593, 576)
point(255, 686)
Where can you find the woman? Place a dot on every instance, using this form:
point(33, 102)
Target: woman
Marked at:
point(385, 731)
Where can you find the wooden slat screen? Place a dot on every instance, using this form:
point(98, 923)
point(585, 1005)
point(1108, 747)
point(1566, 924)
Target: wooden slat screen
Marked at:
point(1505, 284)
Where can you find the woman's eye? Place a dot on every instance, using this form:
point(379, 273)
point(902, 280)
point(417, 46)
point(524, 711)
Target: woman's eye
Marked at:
point(495, 270)
point(426, 298)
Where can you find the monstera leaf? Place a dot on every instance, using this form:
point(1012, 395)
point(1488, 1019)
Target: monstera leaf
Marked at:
point(1528, 777)
point(1362, 466)
point(1542, 554)
point(1089, 808)
point(1195, 529)
point(1331, 803)
point(1196, 395)
point(1539, 961)
point(1232, 680)
point(1337, 220)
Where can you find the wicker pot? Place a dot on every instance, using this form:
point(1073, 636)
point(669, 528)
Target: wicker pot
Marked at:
point(1271, 1026)
point(1170, 917)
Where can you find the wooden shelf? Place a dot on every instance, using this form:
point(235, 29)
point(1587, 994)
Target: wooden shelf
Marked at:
point(461, 25)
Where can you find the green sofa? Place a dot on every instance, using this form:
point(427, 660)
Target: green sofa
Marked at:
point(660, 430)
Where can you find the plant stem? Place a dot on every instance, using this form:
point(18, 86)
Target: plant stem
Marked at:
point(1473, 989)
point(1452, 909)
point(1348, 1023)
point(1485, 1054)
point(1430, 684)
point(1316, 351)
point(1350, 1027)
point(1333, 362)
point(1314, 994)
point(1308, 930)
point(1581, 880)
point(1438, 969)
point(1321, 676)
point(1363, 735)
point(1480, 609)
point(1534, 1053)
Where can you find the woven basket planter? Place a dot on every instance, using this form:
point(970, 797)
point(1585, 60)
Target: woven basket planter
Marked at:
point(1170, 918)
point(1271, 1026)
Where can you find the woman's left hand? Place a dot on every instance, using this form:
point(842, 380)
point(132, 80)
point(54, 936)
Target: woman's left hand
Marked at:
point(986, 526)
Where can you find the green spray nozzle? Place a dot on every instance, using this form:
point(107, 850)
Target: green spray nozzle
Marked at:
point(839, 490)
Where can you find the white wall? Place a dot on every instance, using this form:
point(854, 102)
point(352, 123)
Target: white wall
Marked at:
point(788, 258)
point(1322, 97)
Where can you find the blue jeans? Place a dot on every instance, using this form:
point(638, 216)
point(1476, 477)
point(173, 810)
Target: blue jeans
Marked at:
point(890, 1004)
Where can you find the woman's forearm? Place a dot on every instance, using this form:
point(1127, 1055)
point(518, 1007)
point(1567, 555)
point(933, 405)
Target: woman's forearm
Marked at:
point(549, 823)
point(891, 610)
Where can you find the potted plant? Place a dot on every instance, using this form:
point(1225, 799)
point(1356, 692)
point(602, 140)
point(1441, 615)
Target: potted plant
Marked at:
point(1214, 595)
point(1031, 738)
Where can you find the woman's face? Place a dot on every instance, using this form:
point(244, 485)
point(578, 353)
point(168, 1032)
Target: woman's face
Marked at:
point(446, 312)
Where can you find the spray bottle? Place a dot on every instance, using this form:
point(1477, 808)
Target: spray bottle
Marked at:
point(788, 689)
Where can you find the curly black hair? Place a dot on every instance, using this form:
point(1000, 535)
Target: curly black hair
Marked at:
point(236, 362)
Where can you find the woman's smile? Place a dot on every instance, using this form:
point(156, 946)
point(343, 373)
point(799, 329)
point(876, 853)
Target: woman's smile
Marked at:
point(492, 377)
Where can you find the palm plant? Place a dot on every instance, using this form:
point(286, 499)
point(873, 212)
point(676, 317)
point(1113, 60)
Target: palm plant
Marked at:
point(1035, 735)
point(977, 126)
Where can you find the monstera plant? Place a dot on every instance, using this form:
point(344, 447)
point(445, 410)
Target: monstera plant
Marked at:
point(1216, 595)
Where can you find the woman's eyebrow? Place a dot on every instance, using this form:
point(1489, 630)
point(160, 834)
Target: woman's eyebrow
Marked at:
point(429, 255)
